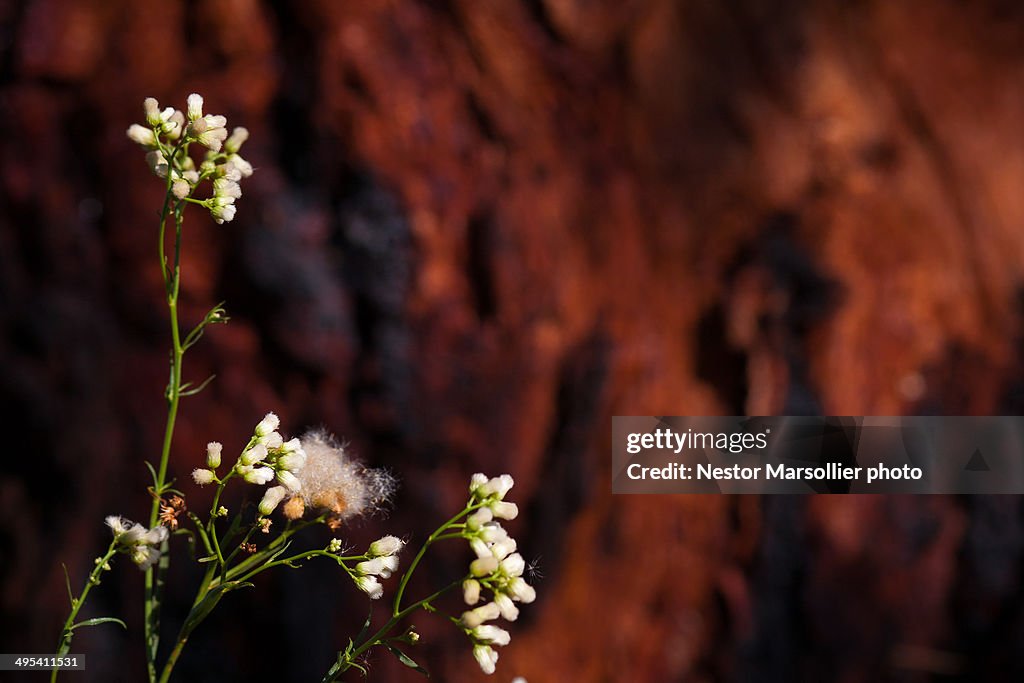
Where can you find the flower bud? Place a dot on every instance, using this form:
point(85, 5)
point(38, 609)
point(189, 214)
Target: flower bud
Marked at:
point(272, 440)
point(478, 615)
point(486, 657)
point(180, 189)
point(271, 499)
point(386, 545)
point(503, 510)
point(202, 477)
point(521, 591)
point(371, 586)
point(213, 452)
point(259, 476)
point(238, 136)
point(257, 453)
point(195, 106)
point(152, 109)
point(370, 567)
point(289, 480)
point(471, 591)
point(268, 424)
point(483, 566)
point(492, 635)
point(508, 609)
point(479, 518)
point(513, 565)
point(141, 135)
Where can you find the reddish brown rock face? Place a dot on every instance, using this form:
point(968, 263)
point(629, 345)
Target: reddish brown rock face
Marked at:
point(476, 232)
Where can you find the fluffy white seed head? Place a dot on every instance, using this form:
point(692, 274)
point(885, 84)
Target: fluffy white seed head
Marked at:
point(334, 482)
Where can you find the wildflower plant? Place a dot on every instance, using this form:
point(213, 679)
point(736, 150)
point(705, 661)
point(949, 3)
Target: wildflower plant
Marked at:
point(298, 482)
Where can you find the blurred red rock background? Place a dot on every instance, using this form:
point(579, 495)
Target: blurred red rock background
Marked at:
point(477, 231)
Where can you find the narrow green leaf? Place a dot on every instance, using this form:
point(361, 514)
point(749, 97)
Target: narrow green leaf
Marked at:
point(203, 609)
point(100, 620)
point(67, 582)
point(406, 659)
point(365, 629)
point(152, 471)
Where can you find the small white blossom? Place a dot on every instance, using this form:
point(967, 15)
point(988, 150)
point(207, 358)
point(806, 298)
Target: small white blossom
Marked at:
point(371, 586)
point(259, 475)
point(268, 424)
point(195, 106)
point(213, 453)
point(486, 657)
point(479, 518)
point(289, 480)
point(223, 214)
point(238, 137)
point(492, 635)
point(483, 566)
point(504, 510)
point(142, 136)
point(508, 609)
point(257, 453)
point(521, 591)
point(471, 591)
point(335, 545)
point(203, 477)
point(386, 545)
point(478, 615)
point(272, 440)
point(271, 499)
point(513, 565)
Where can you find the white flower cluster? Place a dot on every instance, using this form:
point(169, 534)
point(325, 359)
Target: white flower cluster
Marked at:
point(166, 137)
point(382, 561)
point(497, 568)
point(142, 544)
point(267, 457)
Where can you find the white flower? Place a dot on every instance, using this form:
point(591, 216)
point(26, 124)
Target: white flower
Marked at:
point(202, 477)
point(138, 541)
point(486, 657)
point(272, 440)
point(513, 565)
point(268, 424)
point(145, 556)
point(238, 136)
point(471, 591)
point(476, 481)
point(478, 615)
point(195, 106)
point(156, 535)
point(292, 446)
point(213, 453)
point(271, 499)
point(292, 462)
point(479, 518)
point(259, 475)
point(223, 214)
point(289, 480)
point(503, 510)
point(257, 453)
point(371, 567)
point(521, 591)
point(141, 135)
point(497, 487)
point(237, 166)
point(492, 635)
point(223, 187)
point(386, 545)
point(508, 610)
point(335, 545)
point(483, 566)
point(157, 163)
point(371, 586)
point(480, 547)
point(180, 189)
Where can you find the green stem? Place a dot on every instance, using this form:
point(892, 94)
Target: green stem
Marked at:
point(172, 283)
point(438, 533)
point(377, 637)
point(76, 604)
